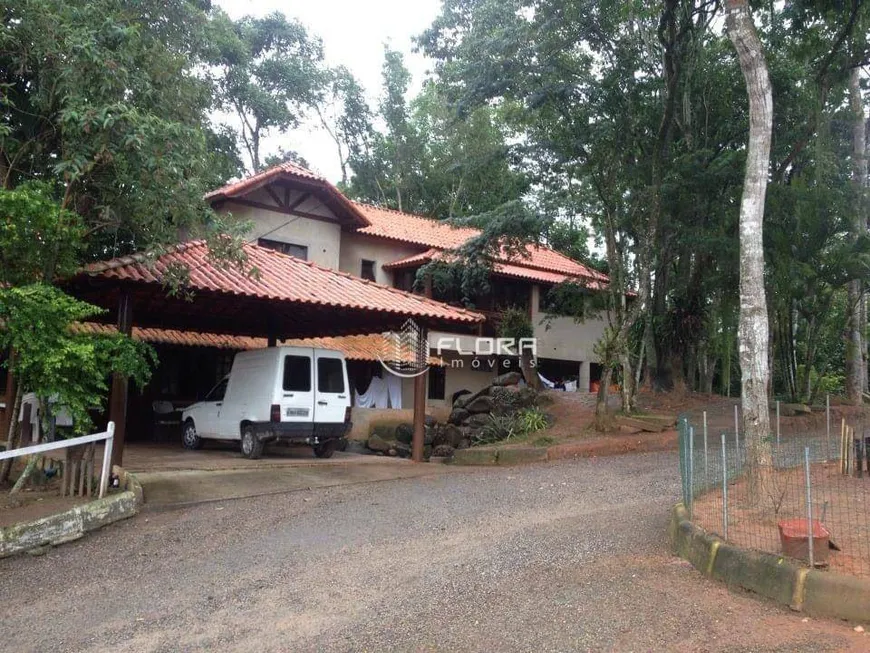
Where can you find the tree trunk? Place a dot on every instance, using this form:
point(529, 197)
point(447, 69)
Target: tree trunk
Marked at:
point(601, 420)
point(854, 345)
point(753, 326)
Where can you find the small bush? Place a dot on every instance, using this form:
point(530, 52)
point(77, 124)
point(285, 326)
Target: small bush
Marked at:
point(498, 429)
point(532, 420)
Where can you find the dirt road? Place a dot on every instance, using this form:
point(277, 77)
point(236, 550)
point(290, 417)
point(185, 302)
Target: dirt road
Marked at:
point(559, 557)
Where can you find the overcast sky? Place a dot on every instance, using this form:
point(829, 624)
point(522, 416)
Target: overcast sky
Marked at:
point(353, 34)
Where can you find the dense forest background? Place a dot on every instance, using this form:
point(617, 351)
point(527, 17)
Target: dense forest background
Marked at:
point(612, 131)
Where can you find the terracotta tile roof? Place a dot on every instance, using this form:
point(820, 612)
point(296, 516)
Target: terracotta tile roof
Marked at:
point(408, 228)
point(365, 348)
point(292, 172)
point(280, 278)
point(437, 235)
point(506, 270)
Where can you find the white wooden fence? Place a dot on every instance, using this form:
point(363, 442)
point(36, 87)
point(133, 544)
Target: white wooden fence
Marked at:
point(108, 435)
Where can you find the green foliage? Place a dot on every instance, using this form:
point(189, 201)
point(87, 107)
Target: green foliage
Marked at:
point(430, 159)
point(55, 360)
point(111, 110)
point(272, 75)
point(37, 238)
point(515, 323)
point(533, 420)
point(503, 427)
point(499, 428)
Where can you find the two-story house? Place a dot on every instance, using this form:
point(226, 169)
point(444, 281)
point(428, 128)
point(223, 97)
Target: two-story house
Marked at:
point(300, 213)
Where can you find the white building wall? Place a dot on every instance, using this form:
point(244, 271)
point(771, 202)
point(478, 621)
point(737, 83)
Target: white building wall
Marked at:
point(321, 237)
point(564, 338)
point(357, 247)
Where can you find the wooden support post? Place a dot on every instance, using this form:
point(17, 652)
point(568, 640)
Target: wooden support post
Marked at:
point(118, 398)
point(419, 418)
point(9, 400)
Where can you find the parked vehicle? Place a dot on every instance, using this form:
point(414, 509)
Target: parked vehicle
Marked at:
point(286, 394)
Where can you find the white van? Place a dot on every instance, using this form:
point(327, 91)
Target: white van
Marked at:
point(288, 394)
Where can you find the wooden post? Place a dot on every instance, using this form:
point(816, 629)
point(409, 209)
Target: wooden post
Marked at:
point(9, 399)
point(419, 418)
point(118, 398)
point(272, 340)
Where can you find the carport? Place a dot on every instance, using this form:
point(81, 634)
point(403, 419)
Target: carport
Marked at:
point(275, 297)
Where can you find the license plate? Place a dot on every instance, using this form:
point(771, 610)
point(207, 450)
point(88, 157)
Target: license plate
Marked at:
point(296, 412)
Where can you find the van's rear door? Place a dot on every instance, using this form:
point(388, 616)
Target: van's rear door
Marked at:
point(297, 387)
point(332, 395)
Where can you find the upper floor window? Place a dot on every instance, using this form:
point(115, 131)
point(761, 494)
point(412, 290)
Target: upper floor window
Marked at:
point(299, 251)
point(367, 270)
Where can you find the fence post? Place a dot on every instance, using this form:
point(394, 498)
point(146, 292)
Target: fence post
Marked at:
point(706, 466)
point(827, 427)
point(777, 422)
point(724, 489)
point(810, 529)
point(737, 435)
point(691, 468)
point(107, 459)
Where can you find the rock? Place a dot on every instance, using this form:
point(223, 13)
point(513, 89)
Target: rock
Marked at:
point(402, 449)
point(459, 395)
point(383, 431)
point(442, 451)
point(429, 434)
point(458, 416)
point(787, 410)
point(378, 443)
point(478, 420)
point(507, 379)
point(452, 435)
point(795, 409)
point(482, 404)
point(404, 433)
point(428, 420)
point(355, 446)
point(427, 453)
point(464, 443)
point(464, 400)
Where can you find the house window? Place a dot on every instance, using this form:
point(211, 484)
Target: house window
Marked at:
point(291, 249)
point(367, 270)
point(437, 382)
point(404, 279)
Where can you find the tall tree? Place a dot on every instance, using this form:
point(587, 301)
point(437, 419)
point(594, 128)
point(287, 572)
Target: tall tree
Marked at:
point(272, 74)
point(856, 370)
point(753, 325)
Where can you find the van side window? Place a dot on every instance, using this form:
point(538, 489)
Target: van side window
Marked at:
point(297, 373)
point(330, 375)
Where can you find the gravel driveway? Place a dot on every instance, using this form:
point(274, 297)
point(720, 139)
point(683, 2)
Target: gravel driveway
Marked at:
point(559, 557)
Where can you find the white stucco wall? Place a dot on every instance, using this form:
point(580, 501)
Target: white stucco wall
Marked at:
point(321, 237)
point(563, 338)
point(356, 247)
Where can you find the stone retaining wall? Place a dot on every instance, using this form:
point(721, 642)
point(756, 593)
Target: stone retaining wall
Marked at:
point(74, 523)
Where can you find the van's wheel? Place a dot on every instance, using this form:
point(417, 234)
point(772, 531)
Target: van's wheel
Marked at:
point(189, 438)
point(252, 446)
point(325, 449)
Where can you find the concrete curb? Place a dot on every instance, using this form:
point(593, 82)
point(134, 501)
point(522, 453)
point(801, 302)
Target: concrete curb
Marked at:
point(816, 593)
point(74, 523)
point(504, 457)
point(665, 441)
